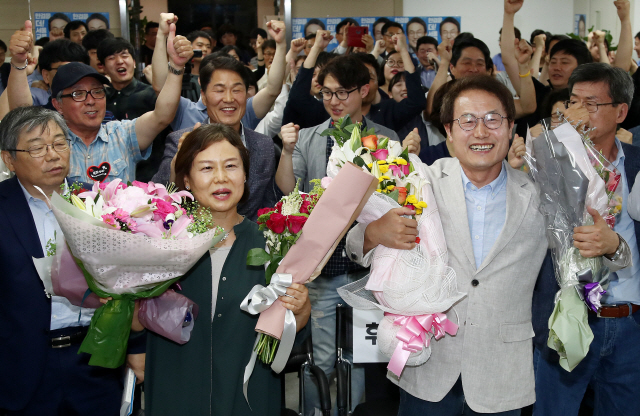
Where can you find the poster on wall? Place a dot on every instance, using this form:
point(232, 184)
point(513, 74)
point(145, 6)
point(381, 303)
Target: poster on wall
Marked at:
point(414, 27)
point(580, 25)
point(47, 22)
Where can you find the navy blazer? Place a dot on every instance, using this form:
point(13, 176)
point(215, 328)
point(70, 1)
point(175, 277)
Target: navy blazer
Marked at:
point(25, 310)
point(547, 286)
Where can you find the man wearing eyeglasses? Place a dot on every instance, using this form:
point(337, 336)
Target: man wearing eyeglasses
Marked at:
point(600, 100)
point(496, 245)
point(42, 372)
point(79, 95)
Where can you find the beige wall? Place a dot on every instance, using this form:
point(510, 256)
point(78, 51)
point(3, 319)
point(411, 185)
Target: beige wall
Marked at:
point(152, 9)
point(13, 13)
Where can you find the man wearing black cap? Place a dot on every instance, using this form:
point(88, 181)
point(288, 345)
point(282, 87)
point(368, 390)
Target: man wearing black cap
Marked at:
point(79, 95)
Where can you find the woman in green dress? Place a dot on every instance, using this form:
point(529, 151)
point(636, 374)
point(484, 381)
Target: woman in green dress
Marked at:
point(205, 375)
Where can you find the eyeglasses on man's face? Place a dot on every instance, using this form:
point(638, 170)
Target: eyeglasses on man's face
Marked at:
point(342, 95)
point(40, 150)
point(81, 95)
point(591, 106)
point(469, 122)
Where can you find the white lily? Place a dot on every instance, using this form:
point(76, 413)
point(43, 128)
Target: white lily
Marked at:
point(395, 149)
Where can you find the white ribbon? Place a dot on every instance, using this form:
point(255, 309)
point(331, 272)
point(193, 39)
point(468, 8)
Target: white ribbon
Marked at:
point(259, 299)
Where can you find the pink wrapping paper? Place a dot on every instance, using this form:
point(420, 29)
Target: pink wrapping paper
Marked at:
point(338, 208)
point(165, 314)
point(68, 280)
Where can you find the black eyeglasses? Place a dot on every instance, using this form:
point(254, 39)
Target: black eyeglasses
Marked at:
point(589, 105)
point(81, 95)
point(469, 122)
point(342, 94)
point(40, 150)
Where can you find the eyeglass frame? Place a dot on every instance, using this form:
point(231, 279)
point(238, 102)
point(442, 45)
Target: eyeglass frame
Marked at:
point(397, 64)
point(567, 105)
point(87, 92)
point(483, 121)
point(47, 146)
point(322, 92)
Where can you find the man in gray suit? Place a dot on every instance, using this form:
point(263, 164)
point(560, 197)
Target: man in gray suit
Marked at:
point(345, 82)
point(496, 243)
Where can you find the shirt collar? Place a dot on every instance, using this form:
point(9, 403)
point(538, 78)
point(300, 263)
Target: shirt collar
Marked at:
point(493, 187)
point(102, 135)
point(620, 157)
point(126, 91)
point(200, 105)
point(32, 199)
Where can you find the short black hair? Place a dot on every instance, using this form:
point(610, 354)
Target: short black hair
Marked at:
point(323, 59)
point(426, 40)
point(42, 41)
point(637, 35)
point(110, 47)
point(553, 97)
point(269, 43)
point(258, 31)
point(480, 83)
point(314, 22)
point(213, 62)
point(61, 50)
point(389, 25)
point(3, 46)
point(151, 25)
point(573, 47)
point(419, 21)
point(618, 81)
point(94, 37)
point(462, 37)
point(225, 50)
point(74, 25)
point(344, 22)
point(224, 29)
point(310, 36)
point(399, 77)
point(450, 20)
point(516, 31)
point(349, 71)
point(192, 36)
point(370, 60)
point(551, 39)
point(57, 16)
point(98, 16)
point(458, 47)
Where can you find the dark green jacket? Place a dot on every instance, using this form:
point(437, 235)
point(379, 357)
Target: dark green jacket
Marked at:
point(205, 375)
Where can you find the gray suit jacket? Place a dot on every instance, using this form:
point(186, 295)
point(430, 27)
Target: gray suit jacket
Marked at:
point(310, 153)
point(262, 170)
point(492, 350)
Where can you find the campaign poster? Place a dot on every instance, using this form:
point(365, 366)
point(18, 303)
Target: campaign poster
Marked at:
point(580, 25)
point(45, 21)
point(414, 26)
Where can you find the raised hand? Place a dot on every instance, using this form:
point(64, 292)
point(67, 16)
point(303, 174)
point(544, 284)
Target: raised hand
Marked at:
point(165, 22)
point(289, 133)
point(20, 44)
point(179, 48)
point(277, 30)
point(400, 42)
point(517, 151)
point(368, 41)
point(412, 142)
point(297, 45)
point(624, 7)
point(379, 47)
point(523, 52)
point(444, 50)
point(392, 230)
point(512, 6)
point(323, 37)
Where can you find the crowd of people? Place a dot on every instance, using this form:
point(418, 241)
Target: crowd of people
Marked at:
point(240, 125)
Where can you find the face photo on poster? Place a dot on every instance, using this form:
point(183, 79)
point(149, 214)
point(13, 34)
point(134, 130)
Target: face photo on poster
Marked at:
point(414, 27)
point(580, 25)
point(51, 24)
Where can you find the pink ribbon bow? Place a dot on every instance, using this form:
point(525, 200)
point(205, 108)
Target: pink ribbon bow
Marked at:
point(414, 335)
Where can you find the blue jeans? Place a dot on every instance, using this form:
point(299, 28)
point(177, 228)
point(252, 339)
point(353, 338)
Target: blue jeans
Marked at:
point(611, 367)
point(453, 404)
point(324, 299)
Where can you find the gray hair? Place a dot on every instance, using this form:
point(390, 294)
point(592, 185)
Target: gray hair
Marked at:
point(619, 82)
point(25, 119)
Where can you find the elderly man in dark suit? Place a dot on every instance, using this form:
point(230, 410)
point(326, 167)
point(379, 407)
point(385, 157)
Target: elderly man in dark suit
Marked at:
point(224, 84)
point(42, 372)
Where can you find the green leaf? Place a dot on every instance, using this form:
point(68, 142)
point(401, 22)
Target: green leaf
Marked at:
point(271, 269)
point(383, 143)
point(327, 132)
point(346, 121)
point(395, 194)
point(350, 128)
point(359, 161)
point(405, 155)
point(257, 257)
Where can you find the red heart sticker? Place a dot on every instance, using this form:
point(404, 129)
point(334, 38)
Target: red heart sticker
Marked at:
point(99, 173)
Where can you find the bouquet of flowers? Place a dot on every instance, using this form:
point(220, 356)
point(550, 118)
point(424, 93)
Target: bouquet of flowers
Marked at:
point(571, 175)
point(414, 287)
point(282, 227)
point(130, 242)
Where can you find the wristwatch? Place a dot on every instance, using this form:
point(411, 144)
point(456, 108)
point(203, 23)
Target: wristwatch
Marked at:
point(175, 71)
point(620, 250)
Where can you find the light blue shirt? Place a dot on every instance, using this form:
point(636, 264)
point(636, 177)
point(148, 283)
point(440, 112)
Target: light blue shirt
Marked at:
point(427, 76)
point(116, 143)
point(486, 212)
point(625, 283)
point(190, 113)
point(63, 313)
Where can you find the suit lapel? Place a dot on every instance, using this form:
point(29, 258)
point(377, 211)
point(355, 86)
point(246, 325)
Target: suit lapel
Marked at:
point(16, 208)
point(452, 193)
point(518, 200)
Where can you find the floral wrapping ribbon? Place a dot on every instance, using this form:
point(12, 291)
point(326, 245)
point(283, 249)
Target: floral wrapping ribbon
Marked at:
point(414, 335)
